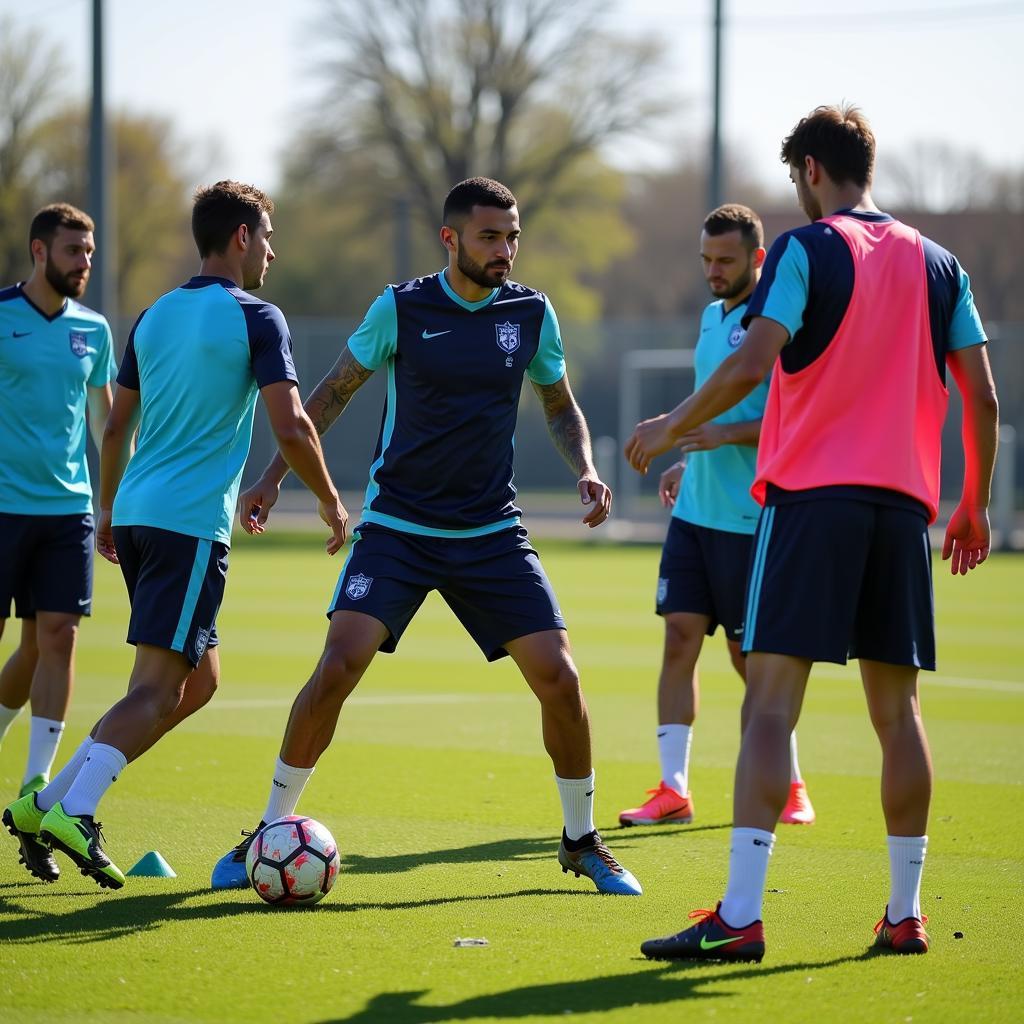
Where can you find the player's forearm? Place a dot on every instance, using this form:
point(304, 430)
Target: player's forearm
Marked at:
point(571, 437)
point(115, 450)
point(747, 433)
point(729, 384)
point(980, 439)
point(299, 450)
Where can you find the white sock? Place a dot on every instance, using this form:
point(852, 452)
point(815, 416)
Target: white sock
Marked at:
point(61, 782)
point(42, 747)
point(674, 752)
point(285, 790)
point(794, 762)
point(749, 851)
point(103, 764)
point(7, 715)
point(577, 805)
point(906, 862)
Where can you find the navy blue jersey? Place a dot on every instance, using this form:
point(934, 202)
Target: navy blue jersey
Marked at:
point(443, 462)
point(807, 282)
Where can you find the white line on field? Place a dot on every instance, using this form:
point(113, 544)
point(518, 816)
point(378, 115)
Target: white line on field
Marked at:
point(929, 679)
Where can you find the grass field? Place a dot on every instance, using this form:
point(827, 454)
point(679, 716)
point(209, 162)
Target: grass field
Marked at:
point(441, 797)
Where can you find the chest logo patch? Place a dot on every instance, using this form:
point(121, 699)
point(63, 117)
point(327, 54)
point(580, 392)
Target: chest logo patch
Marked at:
point(79, 343)
point(508, 337)
point(358, 586)
point(736, 336)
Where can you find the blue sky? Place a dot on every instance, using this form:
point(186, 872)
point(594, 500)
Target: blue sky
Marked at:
point(234, 77)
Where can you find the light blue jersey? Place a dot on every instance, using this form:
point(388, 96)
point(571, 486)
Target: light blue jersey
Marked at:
point(198, 356)
point(715, 491)
point(46, 363)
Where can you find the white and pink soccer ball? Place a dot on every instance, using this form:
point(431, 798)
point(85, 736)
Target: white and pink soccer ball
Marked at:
point(293, 860)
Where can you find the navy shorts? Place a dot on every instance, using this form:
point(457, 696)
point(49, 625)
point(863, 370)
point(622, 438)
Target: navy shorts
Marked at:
point(838, 578)
point(704, 572)
point(45, 564)
point(495, 584)
point(175, 585)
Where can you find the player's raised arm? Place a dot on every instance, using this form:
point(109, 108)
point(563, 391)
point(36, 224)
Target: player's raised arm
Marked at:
point(729, 384)
point(967, 536)
point(568, 430)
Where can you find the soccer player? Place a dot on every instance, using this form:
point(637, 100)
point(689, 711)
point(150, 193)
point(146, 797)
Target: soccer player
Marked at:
point(860, 317)
point(439, 512)
point(56, 364)
point(703, 573)
point(194, 363)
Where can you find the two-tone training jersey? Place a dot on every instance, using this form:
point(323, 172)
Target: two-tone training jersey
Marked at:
point(858, 394)
point(46, 364)
point(198, 355)
point(443, 461)
point(715, 490)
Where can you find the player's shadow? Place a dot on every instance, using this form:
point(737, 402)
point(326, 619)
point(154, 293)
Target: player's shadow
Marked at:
point(115, 916)
point(654, 986)
point(501, 851)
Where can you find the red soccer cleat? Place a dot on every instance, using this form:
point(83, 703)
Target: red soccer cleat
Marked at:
point(798, 809)
point(908, 936)
point(663, 805)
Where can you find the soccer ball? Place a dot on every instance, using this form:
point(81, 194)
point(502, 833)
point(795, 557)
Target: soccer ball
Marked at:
point(292, 860)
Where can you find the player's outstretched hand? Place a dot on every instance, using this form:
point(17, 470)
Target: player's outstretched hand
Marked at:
point(594, 492)
point(650, 438)
point(336, 517)
point(105, 536)
point(668, 485)
point(967, 538)
point(704, 438)
point(255, 504)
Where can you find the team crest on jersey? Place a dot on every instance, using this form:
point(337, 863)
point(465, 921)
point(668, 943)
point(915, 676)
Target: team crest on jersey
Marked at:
point(202, 639)
point(736, 336)
point(79, 343)
point(508, 337)
point(358, 586)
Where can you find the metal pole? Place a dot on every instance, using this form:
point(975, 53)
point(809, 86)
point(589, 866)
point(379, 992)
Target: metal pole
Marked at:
point(101, 290)
point(715, 170)
point(1005, 487)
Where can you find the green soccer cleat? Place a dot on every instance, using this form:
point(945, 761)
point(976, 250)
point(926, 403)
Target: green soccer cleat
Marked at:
point(22, 819)
point(34, 785)
point(80, 837)
point(594, 860)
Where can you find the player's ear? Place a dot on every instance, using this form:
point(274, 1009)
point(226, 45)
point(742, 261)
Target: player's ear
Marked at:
point(38, 248)
point(242, 236)
point(759, 255)
point(448, 238)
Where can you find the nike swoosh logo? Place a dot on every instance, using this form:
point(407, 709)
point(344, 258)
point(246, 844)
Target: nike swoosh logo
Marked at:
point(715, 943)
point(522, 298)
point(591, 793)
point(426, 335)
point(21, 334)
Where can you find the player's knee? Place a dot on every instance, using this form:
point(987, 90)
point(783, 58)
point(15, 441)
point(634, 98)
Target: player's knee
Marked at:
point(57, 637)
point(683, 641)
point(559, 688)
point(339, 671)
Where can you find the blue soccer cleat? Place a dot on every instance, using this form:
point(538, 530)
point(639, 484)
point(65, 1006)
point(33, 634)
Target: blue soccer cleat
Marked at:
point(229, 872)
point(593, 859)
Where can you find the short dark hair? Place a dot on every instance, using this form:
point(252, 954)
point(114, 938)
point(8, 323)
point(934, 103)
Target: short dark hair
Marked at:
point(49, 219)
point(218, 211)
point(735, 217)
point(839, 138)
point(459, 203)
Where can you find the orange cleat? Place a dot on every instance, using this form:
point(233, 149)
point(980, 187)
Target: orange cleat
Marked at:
point(908, 936)
point(664, 805)
point(798, 809)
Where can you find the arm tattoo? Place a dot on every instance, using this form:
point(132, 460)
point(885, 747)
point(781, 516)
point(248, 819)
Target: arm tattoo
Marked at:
point(333, 393)
point(566, 425)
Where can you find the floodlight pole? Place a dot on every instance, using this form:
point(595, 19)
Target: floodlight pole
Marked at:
point(101, 293)
point(715, 169)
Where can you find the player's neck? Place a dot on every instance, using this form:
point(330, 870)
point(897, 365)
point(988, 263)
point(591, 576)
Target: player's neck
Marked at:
point(847, 197)
point(42, 294)
point(464, 287)
point(217, 266)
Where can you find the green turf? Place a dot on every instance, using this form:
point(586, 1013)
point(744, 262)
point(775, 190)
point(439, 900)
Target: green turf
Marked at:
point(441, 798)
